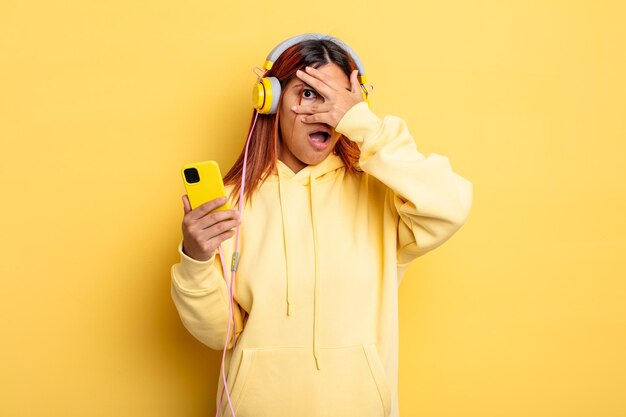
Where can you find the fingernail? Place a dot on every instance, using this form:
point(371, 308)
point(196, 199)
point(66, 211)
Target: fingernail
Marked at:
point(294, 108)
point(298, 72)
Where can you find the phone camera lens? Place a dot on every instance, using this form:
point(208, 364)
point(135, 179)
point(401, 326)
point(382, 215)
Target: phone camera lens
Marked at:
point(192, 176)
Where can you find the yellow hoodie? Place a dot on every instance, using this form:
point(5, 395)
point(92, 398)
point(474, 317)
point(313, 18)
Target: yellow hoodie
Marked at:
point(322, 256)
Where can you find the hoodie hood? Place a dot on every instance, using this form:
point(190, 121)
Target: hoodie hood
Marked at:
point(328, 166)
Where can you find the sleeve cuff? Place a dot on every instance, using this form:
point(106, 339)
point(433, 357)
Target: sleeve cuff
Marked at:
point(359, 123)
point(192, 274)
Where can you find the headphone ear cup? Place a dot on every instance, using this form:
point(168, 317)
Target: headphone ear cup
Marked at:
point(266, 95)
point(258, 95)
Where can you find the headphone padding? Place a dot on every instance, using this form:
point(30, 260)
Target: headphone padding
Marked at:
point(258, 95)
point(272, 99)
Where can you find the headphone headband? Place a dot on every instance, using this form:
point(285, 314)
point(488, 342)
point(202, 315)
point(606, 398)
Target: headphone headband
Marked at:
point(284, 45)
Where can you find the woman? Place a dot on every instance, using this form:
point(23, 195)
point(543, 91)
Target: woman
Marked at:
point(338, 203)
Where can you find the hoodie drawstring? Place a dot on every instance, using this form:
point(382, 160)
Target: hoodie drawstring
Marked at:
point(286, 244)
point(283, 212)
point(316, 291)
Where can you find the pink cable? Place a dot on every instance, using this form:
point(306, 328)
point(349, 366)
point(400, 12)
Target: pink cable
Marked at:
point(234, 271)
point(230, 281)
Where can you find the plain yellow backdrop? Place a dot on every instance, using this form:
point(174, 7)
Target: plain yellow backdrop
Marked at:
point(522, 313)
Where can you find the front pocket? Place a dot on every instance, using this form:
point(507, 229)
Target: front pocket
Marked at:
point(284, 382)
point(378, 373)
point(240, 378)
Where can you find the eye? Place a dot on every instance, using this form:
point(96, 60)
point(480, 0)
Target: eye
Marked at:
point(308, 94)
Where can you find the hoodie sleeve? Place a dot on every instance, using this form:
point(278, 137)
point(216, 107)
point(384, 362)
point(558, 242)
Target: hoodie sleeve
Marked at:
point(432, 201)
point(200, 294)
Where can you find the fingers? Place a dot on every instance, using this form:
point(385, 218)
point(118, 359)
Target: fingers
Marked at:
point(202, 236)
point(325, 78)
point(218, 229)
point(325, 118)
point(319, 81)
point(186, 204)
point(311, 108)
point(217, 240)
point(354, 82)
point(210, 220)
point(202, 246)
point(207, 207)
point(314, 113)
point(205, 228)
point(213, 243)
point(338, 97)
point(205, 217)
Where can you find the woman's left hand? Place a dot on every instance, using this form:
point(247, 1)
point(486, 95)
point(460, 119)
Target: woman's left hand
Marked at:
point(337, 98)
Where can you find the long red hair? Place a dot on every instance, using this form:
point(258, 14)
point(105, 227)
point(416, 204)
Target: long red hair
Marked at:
point(265, 140)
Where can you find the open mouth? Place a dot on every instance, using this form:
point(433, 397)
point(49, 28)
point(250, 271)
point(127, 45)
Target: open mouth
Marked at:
point(319, 136)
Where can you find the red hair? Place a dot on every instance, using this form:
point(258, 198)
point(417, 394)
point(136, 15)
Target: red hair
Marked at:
point(265, 139)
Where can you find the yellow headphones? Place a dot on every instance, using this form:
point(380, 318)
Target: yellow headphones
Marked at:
point(266, 92)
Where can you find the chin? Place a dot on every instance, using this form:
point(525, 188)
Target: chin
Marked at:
point(317, 159)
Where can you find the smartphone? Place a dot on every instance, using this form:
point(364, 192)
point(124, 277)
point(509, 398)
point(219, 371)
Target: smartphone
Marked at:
point(203, 182)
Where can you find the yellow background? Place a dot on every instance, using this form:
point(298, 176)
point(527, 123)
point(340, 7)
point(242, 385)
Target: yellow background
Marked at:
point(522, 313)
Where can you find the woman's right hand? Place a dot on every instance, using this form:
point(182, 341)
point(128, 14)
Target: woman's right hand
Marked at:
point(204, 228)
